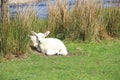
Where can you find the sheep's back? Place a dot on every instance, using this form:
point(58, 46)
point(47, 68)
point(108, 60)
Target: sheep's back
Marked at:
point(52, 43)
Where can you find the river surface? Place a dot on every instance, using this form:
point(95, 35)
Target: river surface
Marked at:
point(40, 8)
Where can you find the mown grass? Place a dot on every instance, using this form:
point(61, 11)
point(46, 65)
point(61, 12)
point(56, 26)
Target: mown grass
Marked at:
point(93, 61)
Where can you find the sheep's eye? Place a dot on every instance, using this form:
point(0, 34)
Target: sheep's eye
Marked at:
point(39, 42)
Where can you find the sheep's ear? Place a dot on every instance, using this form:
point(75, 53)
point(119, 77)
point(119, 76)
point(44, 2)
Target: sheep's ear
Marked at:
point(46, 33)
point(33, 33)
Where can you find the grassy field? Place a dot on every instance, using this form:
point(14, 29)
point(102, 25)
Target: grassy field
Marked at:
point(86, 61)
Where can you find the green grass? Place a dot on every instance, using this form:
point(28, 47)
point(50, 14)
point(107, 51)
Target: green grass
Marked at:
point(94, 61)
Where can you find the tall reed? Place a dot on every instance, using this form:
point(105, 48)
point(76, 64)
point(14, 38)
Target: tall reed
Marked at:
point(58, 18)
point(17, 36)
point(86, 21)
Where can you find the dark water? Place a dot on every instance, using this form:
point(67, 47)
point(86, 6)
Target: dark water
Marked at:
point(40, 8)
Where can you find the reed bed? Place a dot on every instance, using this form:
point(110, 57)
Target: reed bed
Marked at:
point(16, 38)
point(86, 21)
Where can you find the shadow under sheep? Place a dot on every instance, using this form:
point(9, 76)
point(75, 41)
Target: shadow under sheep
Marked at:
point(69, 54)
point(38, 52)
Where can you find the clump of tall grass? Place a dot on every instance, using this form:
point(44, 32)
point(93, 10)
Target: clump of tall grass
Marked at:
point(86, 21)
point(58, 18)
point(16, 39)
point(112, 19)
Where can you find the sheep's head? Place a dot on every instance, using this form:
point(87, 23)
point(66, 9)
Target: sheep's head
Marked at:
point(36, 37)
point(34, 40)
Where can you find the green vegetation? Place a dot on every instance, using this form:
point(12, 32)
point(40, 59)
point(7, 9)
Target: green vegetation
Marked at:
point(91, 35)
point(16, 40)
point(83, 23)
point(93, 61)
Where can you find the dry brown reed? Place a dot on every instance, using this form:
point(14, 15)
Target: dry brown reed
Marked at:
point(16, 39)
point(86, 21)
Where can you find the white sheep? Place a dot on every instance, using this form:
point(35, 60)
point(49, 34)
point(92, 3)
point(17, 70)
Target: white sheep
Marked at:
point(48, 46)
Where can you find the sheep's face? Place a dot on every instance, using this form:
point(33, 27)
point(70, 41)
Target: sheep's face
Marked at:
point(41, 36)
point(36, 37)
point(34, 40)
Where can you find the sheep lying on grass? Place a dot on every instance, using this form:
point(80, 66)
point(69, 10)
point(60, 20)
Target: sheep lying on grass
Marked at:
point(48, 46)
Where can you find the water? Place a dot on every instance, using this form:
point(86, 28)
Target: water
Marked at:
point(40, 8)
